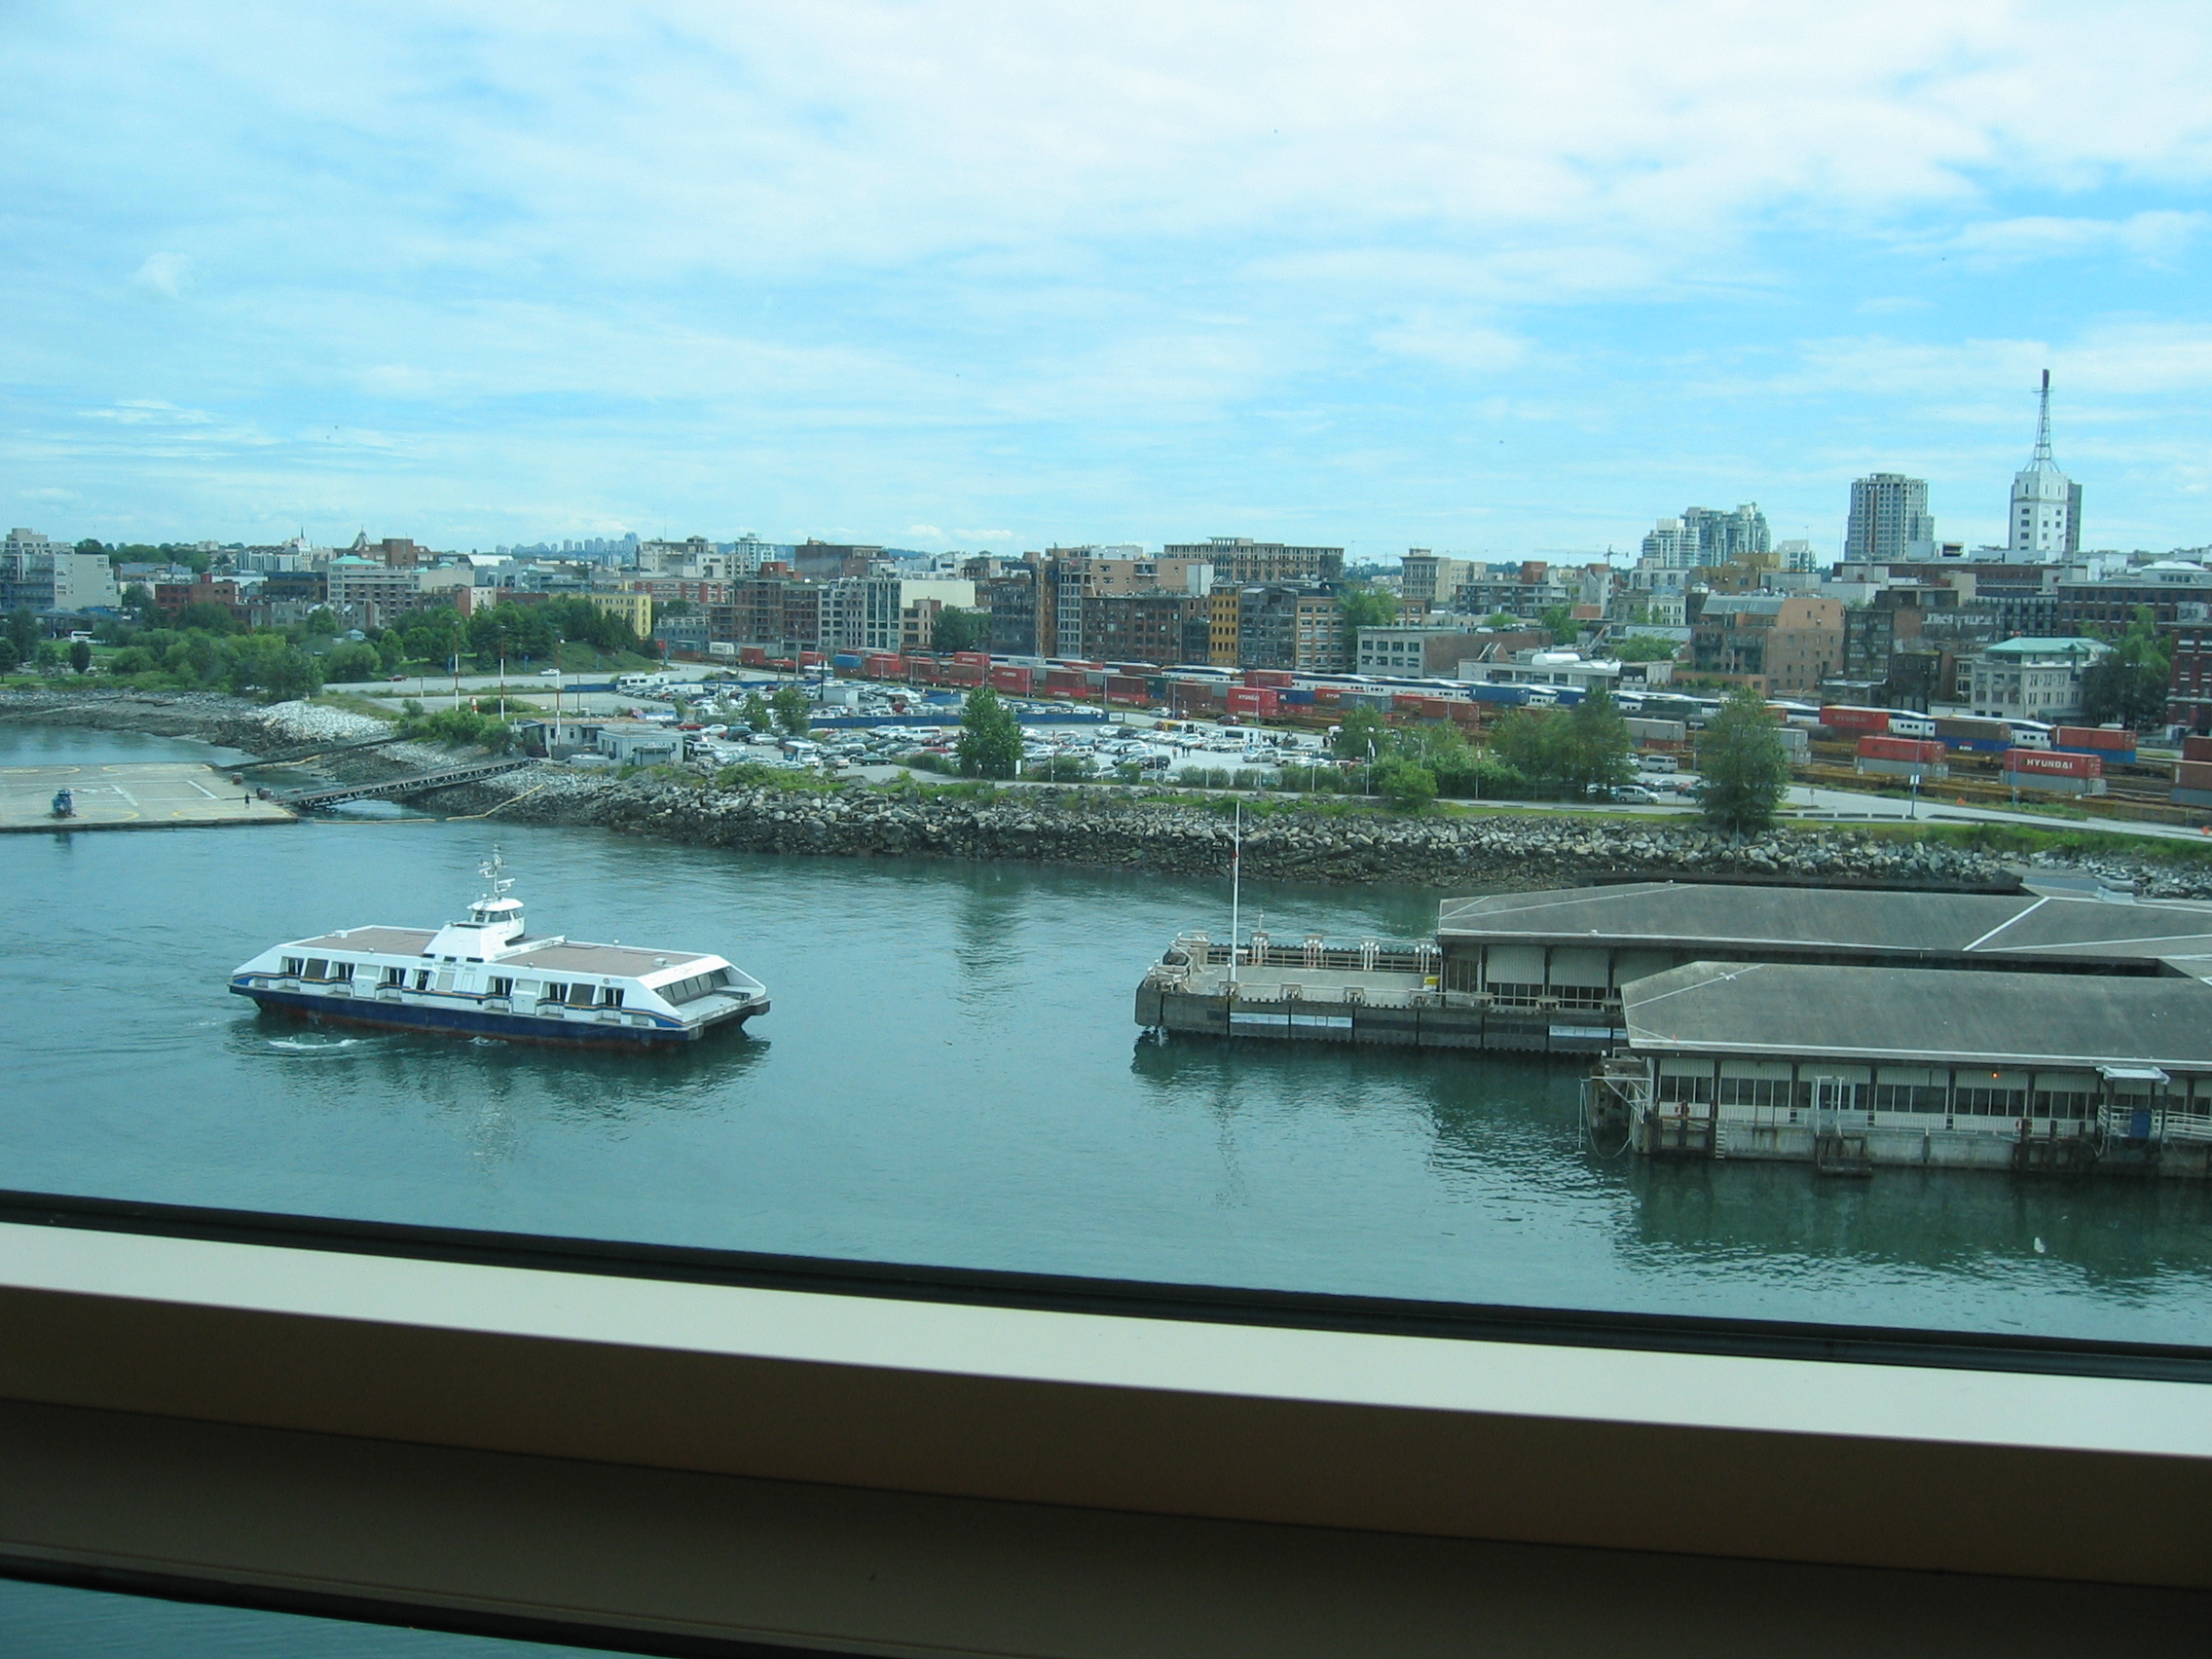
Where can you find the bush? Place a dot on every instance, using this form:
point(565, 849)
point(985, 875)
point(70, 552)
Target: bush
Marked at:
point(1405, 784)
point(462, 727)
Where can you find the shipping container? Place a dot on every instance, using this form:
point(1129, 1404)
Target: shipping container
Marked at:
point(2053, 764)
point(754, 656)
point(2197, 748)
point(1299, 698)
point(1278, 677)
point(981, 659)
point(2100, 738)
point(845, 659)
point(1846, 717)
point(2193, 797)
point(2193, 774)
point(1015, 680)
point(1906, 749)
point(1657, 731)
point(1252, 699)
point(1957, 732)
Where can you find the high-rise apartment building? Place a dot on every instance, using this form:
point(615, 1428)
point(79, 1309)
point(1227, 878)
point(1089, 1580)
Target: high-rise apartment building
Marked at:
point(1889, 519)
point(2046, 517)
point(1730, 537)
point(40, 574)
point(1672, 545)
point(1239, 561)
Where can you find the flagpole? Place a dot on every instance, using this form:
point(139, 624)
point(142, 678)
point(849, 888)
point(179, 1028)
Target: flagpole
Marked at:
point(1236, 887)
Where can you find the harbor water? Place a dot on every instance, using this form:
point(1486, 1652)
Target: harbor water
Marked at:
point(949, 1075)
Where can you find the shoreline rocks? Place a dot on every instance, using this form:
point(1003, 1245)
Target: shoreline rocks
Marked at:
point(1097, 827)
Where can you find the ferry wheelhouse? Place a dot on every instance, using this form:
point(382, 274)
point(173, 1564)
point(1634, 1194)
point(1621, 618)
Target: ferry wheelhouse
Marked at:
point(487, 977)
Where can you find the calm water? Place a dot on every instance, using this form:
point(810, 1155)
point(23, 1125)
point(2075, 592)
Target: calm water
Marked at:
point(950, 1075)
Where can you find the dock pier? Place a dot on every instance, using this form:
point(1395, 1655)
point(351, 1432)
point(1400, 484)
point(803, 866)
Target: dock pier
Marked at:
point(154, 794)
point(2055, 1031)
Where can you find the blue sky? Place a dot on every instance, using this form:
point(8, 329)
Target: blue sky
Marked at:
point(1485, 278)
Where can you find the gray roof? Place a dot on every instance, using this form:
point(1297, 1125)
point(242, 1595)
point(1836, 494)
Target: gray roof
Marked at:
point(1877, 1016)
point(1832, 920)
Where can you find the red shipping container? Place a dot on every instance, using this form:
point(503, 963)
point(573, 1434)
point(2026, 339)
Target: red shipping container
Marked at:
point(2050, 764)
point(1278, 677)
point(1066, 679)
point(2197, 748)
point(1252, 699)
point(1330, 695)
point(1840, 717)
point(1902, 749)
point(1015, 680)
point(753, 656)
point(2107, 737)
point(2194, 775)
point(982, 659)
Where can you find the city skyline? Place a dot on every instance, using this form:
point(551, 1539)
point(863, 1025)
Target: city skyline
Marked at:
point(857, 275)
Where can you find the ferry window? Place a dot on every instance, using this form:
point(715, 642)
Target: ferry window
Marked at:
point(951, 1068)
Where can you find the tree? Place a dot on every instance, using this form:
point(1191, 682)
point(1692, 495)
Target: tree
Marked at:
point(1596, 749)
point(353, 662)
point(1368, 607)
point(208, 617)
point(2129, 684)
point(1560, 621)
point(23, 630)
point(51, 655)
point(991, 737)
point(8, 655)
point(139, 598)
point(675, 608)
point(1746, 770)
point(757, 715)
point(80, 656)
point(790, 705)
point(1502, 619)
point(1362, 735)
point(1645, 648)
point(959, 630)
point(1405, 784)
point(322, 622)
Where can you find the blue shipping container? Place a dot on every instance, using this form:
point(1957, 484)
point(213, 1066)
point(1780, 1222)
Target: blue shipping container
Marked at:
point(2116, 756)
point(845, 659)
point(1296, 695)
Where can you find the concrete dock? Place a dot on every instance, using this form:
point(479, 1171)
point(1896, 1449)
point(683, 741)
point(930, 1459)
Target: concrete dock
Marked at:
point(148, 796)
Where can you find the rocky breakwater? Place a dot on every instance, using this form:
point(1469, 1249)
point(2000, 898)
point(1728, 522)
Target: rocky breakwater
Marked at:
point(1109, 829)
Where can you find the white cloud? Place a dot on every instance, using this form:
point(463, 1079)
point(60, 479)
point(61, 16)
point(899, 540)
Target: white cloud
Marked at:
point(2155, 236)
point(927, 531)
point(164, 274)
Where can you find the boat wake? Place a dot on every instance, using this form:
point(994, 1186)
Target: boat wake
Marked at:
point(323, 1045)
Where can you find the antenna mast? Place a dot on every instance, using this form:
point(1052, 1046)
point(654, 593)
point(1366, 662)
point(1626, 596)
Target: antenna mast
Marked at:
point(2042, 427)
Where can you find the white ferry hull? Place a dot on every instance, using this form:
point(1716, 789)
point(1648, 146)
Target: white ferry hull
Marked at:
point(591, 1032)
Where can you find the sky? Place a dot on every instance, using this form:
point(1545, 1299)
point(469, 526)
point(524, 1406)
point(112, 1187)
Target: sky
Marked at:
point(1492, 280)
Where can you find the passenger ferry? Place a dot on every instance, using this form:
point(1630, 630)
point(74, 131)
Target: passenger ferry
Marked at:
point(488, 977)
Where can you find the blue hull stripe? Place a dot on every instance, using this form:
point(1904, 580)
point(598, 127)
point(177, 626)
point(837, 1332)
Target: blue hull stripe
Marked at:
point(479, 1022)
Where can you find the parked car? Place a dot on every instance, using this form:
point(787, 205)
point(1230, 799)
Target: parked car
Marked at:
point(548, 673)
point(1634, 795)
